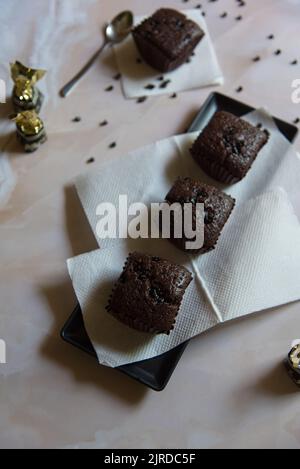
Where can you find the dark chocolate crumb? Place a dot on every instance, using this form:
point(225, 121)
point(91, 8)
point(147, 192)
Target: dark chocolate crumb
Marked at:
point(297, 121)
point(173, 96)
point(193, 54)
point(239, 89)
point(224, 15)
point(90, 160)
point(76, 119)
point(199, 7)
point(142, 99)
point(103, 123)
point(239, 18)
point(278, 52)
point(149, 87)
point(188, 61)
point(109, 88)
point(241, 3)
point(271, 36)
point(203, 13)
point(118, 76)
point(161, 78)
point(257, 58)
point(294, 62)
point(112, 145)
point(165, 84)
point(259, 125)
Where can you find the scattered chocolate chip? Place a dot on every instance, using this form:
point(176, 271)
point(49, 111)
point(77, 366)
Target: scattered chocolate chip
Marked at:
point(90, 161)
point(241, 3)
point(203, 13)
point(278, 52)
point(199, 7)
point(297, 121)
point(239, 89)
point(224, 15)
point(76, 119)
point(161, 78)
point(112, 145)
point(188, 61)
point(118, 76)
point(165, 84)
point(259, 125)
point(109, 88)
point(193, 54)
point(103, 123)
point(239, 18)
point(149, 87)
point(257, 58)
point(142, 99)
point(173, 96)
point(294, 62)
point(271, 36)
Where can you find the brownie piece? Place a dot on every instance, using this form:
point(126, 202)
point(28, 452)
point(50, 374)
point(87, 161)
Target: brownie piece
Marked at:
point(218, 207)
point(148, 295)
point(167, 39)
point(227, 147)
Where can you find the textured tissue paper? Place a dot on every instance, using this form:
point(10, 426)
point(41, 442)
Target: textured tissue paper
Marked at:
point(255, 266)
point(136, 76)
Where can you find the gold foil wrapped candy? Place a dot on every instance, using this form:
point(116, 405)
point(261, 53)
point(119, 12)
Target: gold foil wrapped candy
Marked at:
point(25, 94)
point(294, 357)
point(30, 130)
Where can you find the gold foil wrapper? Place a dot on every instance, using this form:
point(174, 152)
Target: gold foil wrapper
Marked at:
point(294, 357)
point(24, 79)
point(29, 123)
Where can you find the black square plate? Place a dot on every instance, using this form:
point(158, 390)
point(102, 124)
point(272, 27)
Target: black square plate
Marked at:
point(156, 372)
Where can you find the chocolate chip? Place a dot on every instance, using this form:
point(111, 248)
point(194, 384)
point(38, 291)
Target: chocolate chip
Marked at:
point(90, 160)
point(257, 58)
point(112, 145)
point(224, 15)
point(76, 119)
point(173, 96)
point(271, 36)
point(103, 123)
point(199, 7)
point(109, 88)
point(241, 3)
point(239, 89)
point(297, 121)
point(142, 99)
point(278, 52)
point(203, 13)
point(165, 84)
point(259, 125)
point(294, 62)
point(118, 76)
point(188, 61)
point(149, 87)
point(161, 78)
point(239, 18)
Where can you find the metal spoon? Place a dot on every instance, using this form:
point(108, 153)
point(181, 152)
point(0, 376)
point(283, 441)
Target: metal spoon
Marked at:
point(115, 32)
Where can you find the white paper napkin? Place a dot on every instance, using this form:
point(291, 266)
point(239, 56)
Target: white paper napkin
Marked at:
point(255, 265)
point(202, 71)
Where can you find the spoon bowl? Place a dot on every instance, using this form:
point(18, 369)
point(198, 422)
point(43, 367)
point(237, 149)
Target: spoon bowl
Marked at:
point(120, 27)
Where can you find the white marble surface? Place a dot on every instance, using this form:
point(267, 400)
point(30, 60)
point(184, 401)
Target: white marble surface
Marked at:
point(230, 389)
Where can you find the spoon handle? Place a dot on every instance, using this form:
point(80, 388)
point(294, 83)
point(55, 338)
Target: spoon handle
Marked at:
point(68, 87)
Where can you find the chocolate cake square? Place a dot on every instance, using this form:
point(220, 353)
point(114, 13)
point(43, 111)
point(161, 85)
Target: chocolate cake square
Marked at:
point(227, 147)
point(148, 295)
point(167, 39)
point(218, 207)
